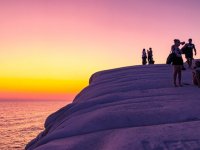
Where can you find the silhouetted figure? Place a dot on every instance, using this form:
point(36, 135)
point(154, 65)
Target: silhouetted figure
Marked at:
point(188, 51)
point(144, 57)
point(177, 62)
point(196, 74)
point(150, 56)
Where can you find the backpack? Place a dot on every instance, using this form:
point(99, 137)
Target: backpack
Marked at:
point(170, 58)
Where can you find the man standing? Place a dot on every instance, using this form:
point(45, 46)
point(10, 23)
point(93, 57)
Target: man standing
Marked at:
point(188, 50)
point(150, 56)
point(144, 57)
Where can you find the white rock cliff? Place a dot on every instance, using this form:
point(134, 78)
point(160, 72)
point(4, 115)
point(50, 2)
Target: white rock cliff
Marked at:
point(130, 108)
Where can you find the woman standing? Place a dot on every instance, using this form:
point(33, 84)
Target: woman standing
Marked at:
point(177, 62)
point(144, 57)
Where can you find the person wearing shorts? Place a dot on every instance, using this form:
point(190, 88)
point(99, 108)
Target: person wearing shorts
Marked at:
point(188, 50)
point(177, 63)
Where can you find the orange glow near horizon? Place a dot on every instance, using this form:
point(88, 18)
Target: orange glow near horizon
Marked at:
point(42, 89)
point(50, 48)
point(16, 95)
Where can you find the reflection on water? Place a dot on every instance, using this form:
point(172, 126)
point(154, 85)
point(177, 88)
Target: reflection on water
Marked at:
point(21, 121)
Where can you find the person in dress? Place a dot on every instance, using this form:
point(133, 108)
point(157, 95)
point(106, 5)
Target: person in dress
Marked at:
point(144, 57)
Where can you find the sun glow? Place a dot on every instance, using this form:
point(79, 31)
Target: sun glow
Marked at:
point(50, 49)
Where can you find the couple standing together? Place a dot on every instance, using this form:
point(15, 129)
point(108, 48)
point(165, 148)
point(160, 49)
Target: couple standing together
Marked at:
point(149, 58)
point(187, 49)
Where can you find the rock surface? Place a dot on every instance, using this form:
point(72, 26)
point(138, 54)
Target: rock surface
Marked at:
point(130, 108)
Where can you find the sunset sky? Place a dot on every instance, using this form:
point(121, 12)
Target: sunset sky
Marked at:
point(50, 48)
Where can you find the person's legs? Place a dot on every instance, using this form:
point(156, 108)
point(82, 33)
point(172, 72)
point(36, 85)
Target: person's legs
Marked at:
point(175, 72)
point(179, 76)
point(149, 60)
point(190, 62)
point(143, 61)
point(194, 79)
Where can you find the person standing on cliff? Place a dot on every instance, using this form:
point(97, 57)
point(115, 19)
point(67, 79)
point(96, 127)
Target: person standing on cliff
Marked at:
point(188, 51)
point(196, 74)
point(150, 56)
point(144, 57)
point(177, 62)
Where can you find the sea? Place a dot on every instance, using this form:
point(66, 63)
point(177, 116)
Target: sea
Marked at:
point(22, 121)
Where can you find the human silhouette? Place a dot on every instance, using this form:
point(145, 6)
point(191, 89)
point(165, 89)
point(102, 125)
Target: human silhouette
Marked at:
point(177, 62)
point(196, 74)
point(144, 57)
point(188, 51)
point(150, 56)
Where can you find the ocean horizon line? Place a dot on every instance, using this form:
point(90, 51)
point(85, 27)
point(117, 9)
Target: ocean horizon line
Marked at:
point(32, 100)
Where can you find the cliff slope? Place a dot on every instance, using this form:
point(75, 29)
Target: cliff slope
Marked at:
point(130, 108)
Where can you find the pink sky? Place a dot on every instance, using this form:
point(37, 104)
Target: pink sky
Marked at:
point(69, 40)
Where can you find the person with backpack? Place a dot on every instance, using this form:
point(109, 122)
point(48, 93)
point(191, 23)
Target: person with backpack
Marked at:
point(177, 62)
point(188, 51)
point(144, 57)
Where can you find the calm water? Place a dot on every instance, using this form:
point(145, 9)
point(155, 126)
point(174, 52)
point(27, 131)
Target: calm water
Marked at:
point(21, 121)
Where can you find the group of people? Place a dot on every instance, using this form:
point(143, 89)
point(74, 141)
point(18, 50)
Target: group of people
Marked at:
point(147, 56)
point(177, 61)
